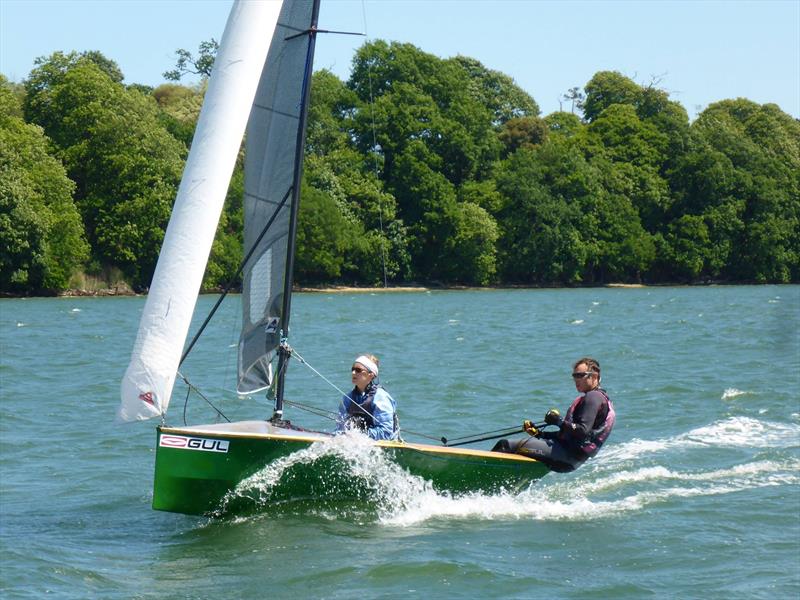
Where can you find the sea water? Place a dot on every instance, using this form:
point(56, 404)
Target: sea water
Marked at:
point(696, 493)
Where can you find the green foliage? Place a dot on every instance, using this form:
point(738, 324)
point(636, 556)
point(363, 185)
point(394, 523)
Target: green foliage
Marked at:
point(470, 252)
point(188, 64)
point(482, 193)
point(22, 233)
point(621, 250)
point(742, 176)
point(376, 250)
point(179, 109)
point(40, 229)
point(11, 97)
point(427, 201)
point(646, 190)
point(563, 124)
point(323, 236)
point(670, 119)
point(688, 246)
point(330, 114)
point(126, 166)
point(227, 251)
point(619, 134)
point(523, 132)
point(606, 89)
point(664, 124)
point(498, 92)
point(431, 125)
point(106, 65)
point(416, 167)
point(540, 240)
point(421, 98)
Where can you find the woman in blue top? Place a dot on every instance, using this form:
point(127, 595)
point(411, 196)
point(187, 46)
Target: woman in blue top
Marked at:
point(368, 408)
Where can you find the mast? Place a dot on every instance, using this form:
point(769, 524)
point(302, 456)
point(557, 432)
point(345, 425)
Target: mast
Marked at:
point(283, 352)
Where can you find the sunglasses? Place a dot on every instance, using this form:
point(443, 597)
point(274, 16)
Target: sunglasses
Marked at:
point(359, 370)
point(583, 375)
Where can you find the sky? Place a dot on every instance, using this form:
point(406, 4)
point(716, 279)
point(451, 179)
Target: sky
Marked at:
point(699, 51)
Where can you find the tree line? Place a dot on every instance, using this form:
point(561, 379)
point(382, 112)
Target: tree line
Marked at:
point(417, 169)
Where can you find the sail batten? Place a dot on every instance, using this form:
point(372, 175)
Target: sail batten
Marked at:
point(277, 112)
point(147, 385)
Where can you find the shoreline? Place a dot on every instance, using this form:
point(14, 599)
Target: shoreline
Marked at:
point(345, 289)
point(352, 289)
point(125, 291)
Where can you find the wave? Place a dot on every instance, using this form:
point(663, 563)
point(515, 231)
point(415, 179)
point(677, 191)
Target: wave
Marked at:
point(734, 432)
point(769, 471)
point(572, 499)
point(747, 432)
point(733, 393)
point(350, 478)
point(346, 468)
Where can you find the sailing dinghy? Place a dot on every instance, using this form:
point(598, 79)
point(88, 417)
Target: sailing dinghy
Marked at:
point(261, 87)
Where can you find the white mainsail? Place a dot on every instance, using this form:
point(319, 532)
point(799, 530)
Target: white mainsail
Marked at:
point(148, 381)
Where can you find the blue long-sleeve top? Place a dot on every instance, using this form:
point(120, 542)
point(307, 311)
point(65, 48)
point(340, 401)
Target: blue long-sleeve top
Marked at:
point(382, 411)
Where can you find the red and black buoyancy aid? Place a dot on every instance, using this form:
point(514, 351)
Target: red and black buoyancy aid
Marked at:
point(603, 423)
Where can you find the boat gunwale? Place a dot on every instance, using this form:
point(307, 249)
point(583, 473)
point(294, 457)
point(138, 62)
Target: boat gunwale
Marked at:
point(321, 436)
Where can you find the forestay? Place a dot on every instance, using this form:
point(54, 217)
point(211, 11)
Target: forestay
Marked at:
point(148, 382)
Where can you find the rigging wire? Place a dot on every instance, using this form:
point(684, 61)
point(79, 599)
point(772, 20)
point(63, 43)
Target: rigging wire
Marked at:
point(191, 388)
point(230, 284)
point(504, 430)
point(218, 303)
point(326, 414)
point(306, 363)
point(333, 416)
point(334, 386)
point(374, 151)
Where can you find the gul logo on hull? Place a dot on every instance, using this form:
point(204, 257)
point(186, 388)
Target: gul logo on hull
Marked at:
point(193, 443)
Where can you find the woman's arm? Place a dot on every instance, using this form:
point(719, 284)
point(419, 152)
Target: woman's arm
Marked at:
point(383, 415)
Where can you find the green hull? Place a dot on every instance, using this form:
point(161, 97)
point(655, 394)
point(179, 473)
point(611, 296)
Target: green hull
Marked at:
point(198, 467)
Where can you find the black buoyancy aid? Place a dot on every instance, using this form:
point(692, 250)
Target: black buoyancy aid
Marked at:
point(359, 414)
point(602, 426)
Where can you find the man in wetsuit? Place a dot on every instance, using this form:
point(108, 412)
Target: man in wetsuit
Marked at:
point(580, 433)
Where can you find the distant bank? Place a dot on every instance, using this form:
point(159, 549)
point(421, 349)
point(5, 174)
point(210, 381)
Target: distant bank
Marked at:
point(125, 290)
